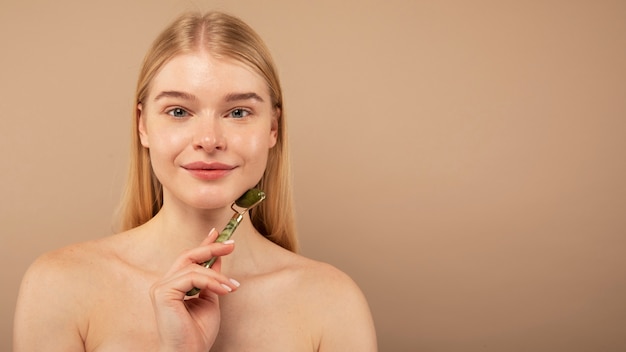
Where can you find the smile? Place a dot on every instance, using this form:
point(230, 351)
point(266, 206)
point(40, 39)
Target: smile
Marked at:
point(208, 171)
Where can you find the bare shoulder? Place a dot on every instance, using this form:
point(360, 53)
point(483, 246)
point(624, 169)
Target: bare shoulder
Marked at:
point(336, 303)
point(59, 266)
point(66, 265)
point(325, 278)
point(51, 302)
point(68, 273)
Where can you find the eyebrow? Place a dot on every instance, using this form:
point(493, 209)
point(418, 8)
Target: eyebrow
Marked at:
point(229, 97)
point(243, 96)
point(175, 94)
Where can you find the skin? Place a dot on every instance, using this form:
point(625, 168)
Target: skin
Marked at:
point(126, 291)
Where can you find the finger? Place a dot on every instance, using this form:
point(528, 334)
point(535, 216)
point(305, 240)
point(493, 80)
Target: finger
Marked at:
point(214, 286)
point(210, 238)
point(176, 286)
point(202, 254)
point(230, 286)
point(217, 266)
point(227, 282)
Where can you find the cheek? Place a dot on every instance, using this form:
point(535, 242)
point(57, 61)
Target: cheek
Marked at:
point(256, 147)
point(259, 142)
point(166, 143)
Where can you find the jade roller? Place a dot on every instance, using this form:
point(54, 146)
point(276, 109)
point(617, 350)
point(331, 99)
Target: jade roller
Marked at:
point(247, 201)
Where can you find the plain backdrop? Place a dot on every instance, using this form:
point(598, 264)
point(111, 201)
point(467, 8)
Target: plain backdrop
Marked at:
point(463, 161)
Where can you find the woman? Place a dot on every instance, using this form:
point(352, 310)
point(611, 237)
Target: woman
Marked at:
point(208, 126)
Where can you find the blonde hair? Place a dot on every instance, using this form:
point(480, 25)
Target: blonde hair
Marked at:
point(223, 36)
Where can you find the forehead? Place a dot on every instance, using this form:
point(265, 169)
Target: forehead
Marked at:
point(207, 76)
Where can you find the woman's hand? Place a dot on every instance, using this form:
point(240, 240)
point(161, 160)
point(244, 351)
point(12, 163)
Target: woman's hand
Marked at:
point(192, 324)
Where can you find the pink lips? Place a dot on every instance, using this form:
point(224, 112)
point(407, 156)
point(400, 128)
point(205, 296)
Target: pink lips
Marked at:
point(208, 171)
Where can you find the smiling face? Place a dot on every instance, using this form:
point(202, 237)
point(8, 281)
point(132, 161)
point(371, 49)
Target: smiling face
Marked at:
point(208, 124)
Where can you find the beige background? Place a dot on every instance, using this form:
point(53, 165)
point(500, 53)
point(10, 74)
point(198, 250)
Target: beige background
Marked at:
point(463, 161)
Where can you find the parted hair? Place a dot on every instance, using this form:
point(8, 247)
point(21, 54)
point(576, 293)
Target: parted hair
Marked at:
point(223, 36)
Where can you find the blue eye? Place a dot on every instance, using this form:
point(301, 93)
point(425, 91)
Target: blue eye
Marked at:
point(239, 113)
point(177, 112)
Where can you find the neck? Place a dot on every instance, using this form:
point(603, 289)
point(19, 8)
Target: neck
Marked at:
point(188, 227)
point(174, 230)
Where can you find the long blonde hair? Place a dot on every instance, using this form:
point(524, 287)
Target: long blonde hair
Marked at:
point(223, 36)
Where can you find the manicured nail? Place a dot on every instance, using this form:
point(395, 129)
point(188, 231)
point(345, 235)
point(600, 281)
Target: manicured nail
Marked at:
point(235, 282)
point(212, 234)
point(227, 287)
point(228, 242)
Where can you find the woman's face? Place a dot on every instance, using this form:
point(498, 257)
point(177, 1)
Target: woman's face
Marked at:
point(209, 124)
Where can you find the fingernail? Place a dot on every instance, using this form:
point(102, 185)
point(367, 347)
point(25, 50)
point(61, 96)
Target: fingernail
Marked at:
point(211, 232)
point(228, 242)
point(227, 287)
point(235, 282)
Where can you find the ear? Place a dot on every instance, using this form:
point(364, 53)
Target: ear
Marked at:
point(141, 126)
point(274, 127)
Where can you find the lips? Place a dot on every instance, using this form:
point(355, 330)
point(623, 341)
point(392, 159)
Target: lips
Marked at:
point(208, 171)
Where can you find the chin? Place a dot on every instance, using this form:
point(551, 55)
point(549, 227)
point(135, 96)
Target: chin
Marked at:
point(208, 196)
point(215, 199)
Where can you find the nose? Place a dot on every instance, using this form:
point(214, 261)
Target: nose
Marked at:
point(209, 135)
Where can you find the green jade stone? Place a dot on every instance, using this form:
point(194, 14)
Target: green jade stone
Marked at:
point(250, 198)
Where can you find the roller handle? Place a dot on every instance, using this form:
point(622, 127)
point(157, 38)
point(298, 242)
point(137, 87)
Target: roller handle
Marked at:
point(226, 234)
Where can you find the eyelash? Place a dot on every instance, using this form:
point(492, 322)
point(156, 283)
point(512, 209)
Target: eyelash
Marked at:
point(175, 110)
point(179, 109)
point(242, 111)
